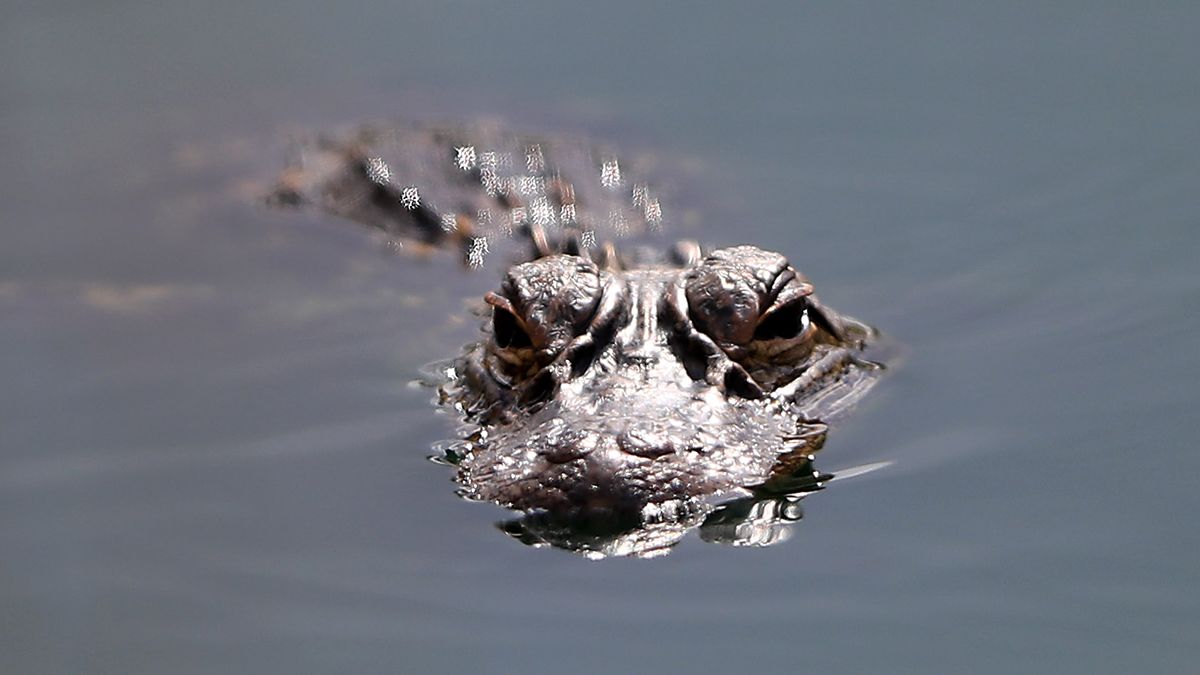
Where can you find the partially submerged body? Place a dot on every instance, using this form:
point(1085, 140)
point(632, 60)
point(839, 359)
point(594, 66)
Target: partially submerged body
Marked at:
point(610, 385)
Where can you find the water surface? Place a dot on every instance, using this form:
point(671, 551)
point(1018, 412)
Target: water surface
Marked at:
point(211, 460)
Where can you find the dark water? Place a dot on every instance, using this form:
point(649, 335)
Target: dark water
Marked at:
point(211, 462)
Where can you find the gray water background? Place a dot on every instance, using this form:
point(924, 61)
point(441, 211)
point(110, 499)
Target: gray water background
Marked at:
point(211, 460)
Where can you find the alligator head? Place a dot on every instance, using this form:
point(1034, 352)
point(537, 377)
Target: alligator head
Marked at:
point(638, 392)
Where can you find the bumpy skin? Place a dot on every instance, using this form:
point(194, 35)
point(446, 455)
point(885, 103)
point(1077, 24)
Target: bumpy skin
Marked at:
point(608, 391)
point(477, 189)
point(613, 390)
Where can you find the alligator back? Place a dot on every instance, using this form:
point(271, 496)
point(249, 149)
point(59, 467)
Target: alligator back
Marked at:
point(477, 189)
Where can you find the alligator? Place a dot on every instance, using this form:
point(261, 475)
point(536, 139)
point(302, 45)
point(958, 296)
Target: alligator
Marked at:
point(617, 392)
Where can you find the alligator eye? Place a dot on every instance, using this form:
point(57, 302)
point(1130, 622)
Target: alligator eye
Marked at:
point(545, 303)
point(508, 331)
point(742, 294)
point(786, 323)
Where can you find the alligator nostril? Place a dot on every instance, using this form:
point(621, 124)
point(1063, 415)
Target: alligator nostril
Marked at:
point(644, 443)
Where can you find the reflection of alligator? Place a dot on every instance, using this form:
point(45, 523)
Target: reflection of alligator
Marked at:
point(612, 392)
